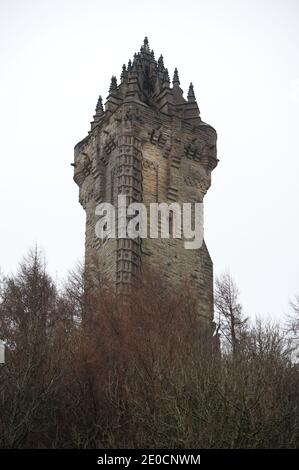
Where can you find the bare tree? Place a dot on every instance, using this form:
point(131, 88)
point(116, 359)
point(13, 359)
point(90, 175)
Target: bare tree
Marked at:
point(231, 321)
point(27, 303)
point(294, 317)
point(293, 328)
point(138, 376)
point(31, 314)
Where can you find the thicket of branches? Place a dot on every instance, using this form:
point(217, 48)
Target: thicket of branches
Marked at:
point(138, 374)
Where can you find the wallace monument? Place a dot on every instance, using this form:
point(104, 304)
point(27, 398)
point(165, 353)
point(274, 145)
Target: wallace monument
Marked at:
point(149, 143)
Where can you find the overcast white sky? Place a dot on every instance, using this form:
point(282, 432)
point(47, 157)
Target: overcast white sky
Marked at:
point(56, 56)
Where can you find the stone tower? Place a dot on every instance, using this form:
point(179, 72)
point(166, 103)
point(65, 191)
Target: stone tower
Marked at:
point(149, 143)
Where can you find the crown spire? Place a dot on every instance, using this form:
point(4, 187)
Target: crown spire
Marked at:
point(191, 94)
point(147, 80)
point(176, 80)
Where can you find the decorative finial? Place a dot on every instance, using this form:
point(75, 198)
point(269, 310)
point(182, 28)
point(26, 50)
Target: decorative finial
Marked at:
point(191, 94)
point(124, 74)
point(113, 84)
point(99, 108)
point(176, 80)
point(145, 42)
point(161, 63)
point(152, 54)
point(129, 66)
